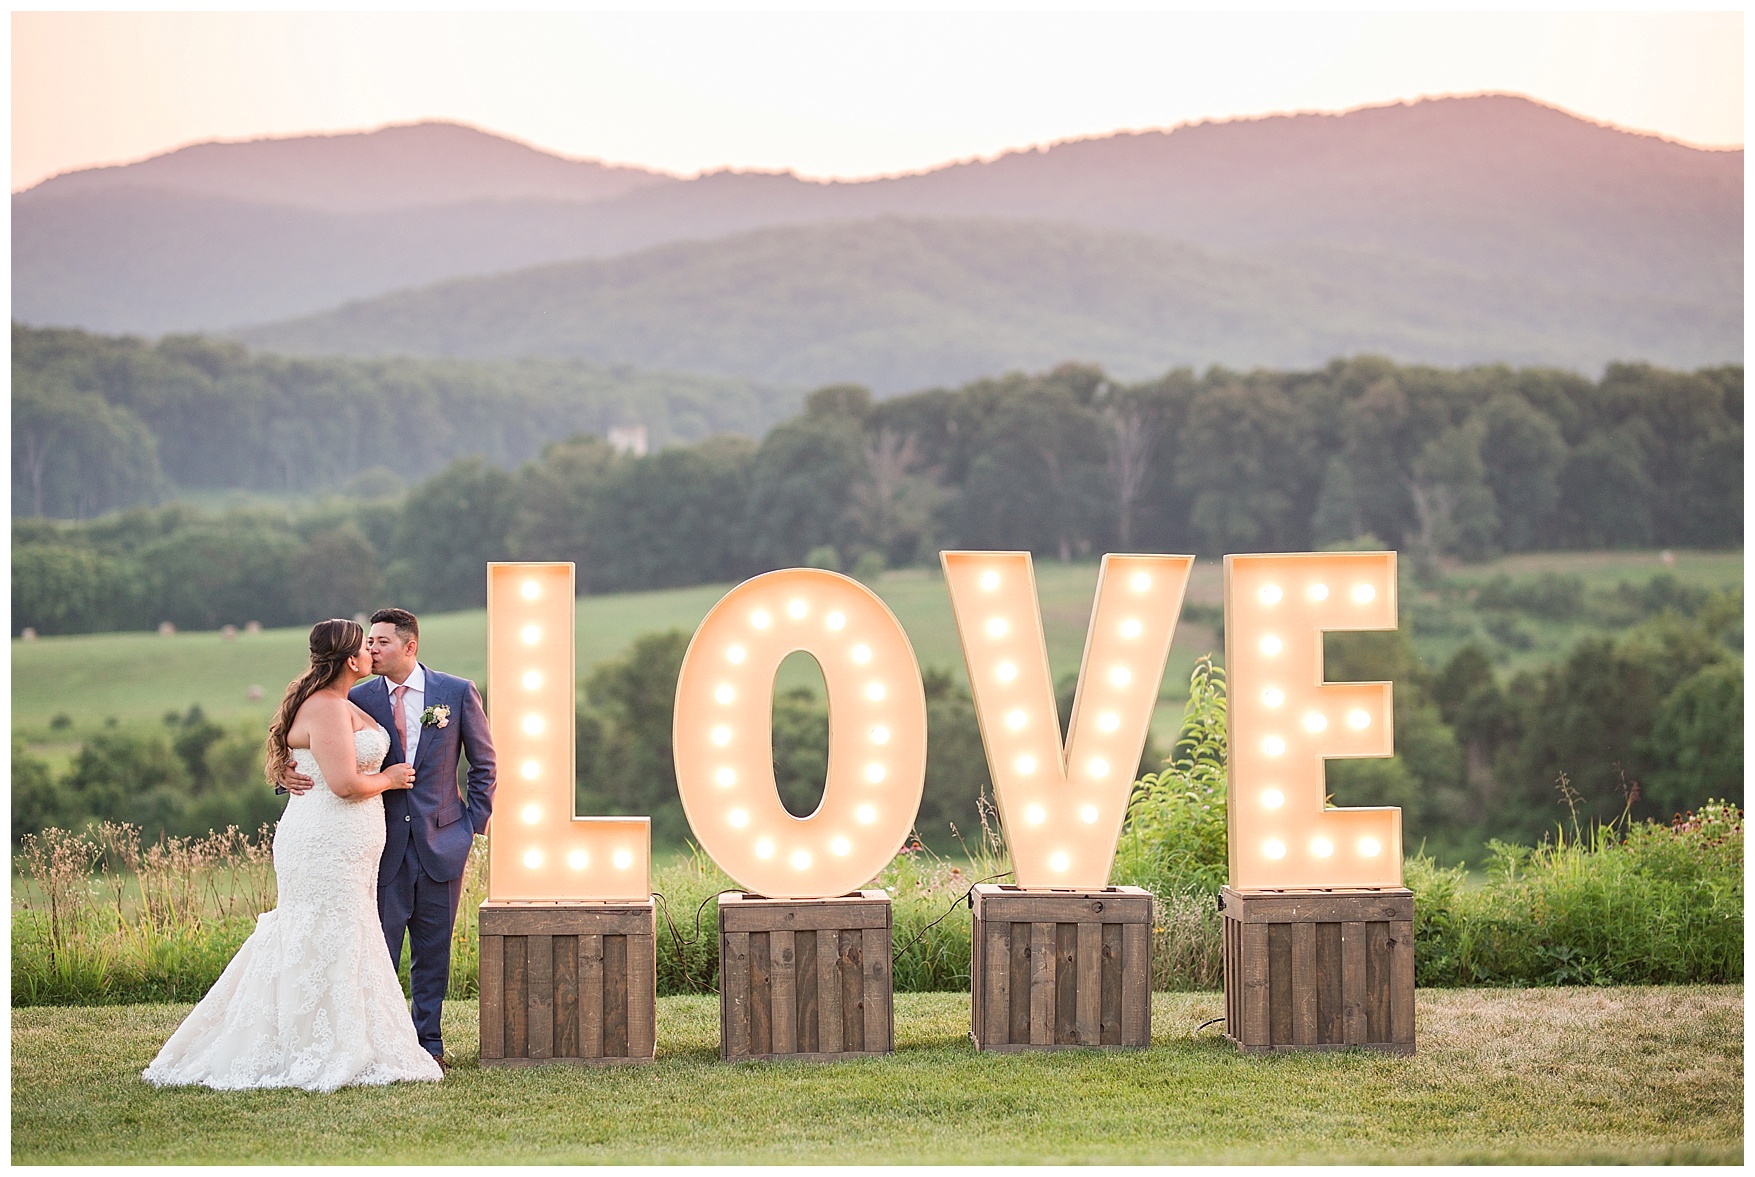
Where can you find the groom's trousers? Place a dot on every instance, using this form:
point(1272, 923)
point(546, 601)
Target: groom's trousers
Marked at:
point(413, 902)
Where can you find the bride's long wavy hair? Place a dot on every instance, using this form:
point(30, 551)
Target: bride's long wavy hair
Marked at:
point(333, 642)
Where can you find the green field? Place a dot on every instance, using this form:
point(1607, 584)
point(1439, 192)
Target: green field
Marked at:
point(1632, 1075)
point(136, 678)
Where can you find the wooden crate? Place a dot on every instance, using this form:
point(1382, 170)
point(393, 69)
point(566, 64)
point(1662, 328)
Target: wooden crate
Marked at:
point(567, 983)
point(805, 978)
point(1054, 970)
point(1319, 970)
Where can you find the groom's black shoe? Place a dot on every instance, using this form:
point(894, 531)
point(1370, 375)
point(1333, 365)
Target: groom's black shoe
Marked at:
point(443, 1065)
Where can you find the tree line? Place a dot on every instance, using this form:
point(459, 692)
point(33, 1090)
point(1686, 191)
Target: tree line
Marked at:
point(101, 423)
point(1066, 464)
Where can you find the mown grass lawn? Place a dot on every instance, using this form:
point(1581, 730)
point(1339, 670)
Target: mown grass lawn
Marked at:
point(1535, 1075)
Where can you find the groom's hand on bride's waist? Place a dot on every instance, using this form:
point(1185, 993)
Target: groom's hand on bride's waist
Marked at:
point(294, 781)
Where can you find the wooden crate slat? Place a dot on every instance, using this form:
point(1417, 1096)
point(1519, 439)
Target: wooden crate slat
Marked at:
point(565, 957)
point(878, 986)
point(734, 995)
point(540, 969)
point(1325, 907)
point(1303, 978)
point(1377, 982)
point(591, 996)
point(829, 991)
point(1353, 982)
point(642, 996)
point(783, 1022)
point(1018, 965)
point(1401, 971)
point(1279, 972)
point(1136, 984)
point(996, 967)
point(516, 1003)
point(546, 920)
point(1109, 1016)
point(851, 953)
point(491, 979)
point(761, 995)
point(1123, 906)
point(1088, 1011)
point(805, 1007)
point(615, 996)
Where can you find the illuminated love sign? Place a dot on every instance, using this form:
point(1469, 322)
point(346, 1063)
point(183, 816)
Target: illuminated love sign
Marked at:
point(723, 734)
point(537, 849)
point(1284, 721)
point(1062, 809)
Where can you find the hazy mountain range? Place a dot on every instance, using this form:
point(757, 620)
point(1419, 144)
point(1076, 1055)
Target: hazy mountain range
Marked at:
point(1449, 231)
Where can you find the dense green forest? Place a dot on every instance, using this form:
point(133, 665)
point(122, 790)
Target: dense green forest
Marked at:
point(1068, 464)
point(100, 423)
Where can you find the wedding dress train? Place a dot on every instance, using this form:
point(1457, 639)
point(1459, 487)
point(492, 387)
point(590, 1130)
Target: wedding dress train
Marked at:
point(311, 999)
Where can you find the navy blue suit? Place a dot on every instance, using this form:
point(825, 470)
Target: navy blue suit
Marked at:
point(429, 830)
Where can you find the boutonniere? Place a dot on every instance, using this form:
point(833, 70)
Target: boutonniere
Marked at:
point(439, 716)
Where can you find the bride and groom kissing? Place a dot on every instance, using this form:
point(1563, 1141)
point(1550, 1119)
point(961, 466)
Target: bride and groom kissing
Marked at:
point(372, 846)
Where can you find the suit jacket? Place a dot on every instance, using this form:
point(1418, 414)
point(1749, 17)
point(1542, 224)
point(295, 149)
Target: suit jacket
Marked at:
point(432, 813)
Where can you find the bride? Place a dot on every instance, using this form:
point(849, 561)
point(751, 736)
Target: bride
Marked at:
point(311, 1000)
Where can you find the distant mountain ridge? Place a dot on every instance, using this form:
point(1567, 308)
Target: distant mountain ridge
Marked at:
point(1495, 193)
point(904, 303)
point(413, 165)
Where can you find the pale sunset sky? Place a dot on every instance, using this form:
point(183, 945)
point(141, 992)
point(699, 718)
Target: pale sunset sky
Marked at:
point(825, 94)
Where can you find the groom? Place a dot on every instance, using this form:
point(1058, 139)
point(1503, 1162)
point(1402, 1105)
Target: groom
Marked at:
point(432, 718)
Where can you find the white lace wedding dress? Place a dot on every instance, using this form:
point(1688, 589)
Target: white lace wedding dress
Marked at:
point(310, 1000)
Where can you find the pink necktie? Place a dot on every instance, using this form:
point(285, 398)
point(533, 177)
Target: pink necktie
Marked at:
point(396, 697)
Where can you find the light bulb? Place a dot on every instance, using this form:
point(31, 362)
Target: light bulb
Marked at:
point(1315, 722)
point(1121, 676)
point(800, 860)
point(531, 634)
point(735, 654)
point(880, 734)
point(996, 627)
point(989, 581)
point(722, 735)
point(875, 691)
point(623, 859)
point(578, 860)
point(533, 725)
point(1089, 815)
point(1035, 814)
point(532, 680)
point(861, 654)
point(1270, 645)
point(724, 693)
point(1108, 721)
point(530, 589)
point(764, 849)
point(725, 778)
point(1321, 847)
point(1273, 745)
point(530, 769)
point(760, 619)
point(1273, 848)
point(1272, 798)
point(874, 773)
point(1270, 594)
point(1364, 594)
point(840, 847)
point(532, 814)
point(1025, 765)
point(865, 814)
point(1141, 582)
point(1358, 720)
point(532, 859)
point(1370, 847)
point(1131, 628)
point(1098, 767)
point(1005, 672)
point(738, 818)
point(1317, 591)
point(796, 609)
point(837, 621)
point(1058, 861)
point(1015, 719)
point(1273, 697)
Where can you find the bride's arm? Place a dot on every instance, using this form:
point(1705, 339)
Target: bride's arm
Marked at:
point(331, 728)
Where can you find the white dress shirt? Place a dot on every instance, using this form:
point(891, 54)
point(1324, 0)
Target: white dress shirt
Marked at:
point(413, 703)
